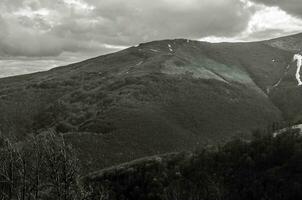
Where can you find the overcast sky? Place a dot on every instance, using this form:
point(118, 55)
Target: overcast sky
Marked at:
point(37, 35)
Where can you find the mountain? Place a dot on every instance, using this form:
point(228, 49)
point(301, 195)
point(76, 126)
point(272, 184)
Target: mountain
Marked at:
point(157, 97)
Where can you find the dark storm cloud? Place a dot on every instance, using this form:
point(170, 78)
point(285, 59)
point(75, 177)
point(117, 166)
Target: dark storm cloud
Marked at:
point(49, 28)
point(293, 7)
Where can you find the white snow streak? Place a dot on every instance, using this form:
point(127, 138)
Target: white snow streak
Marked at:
point(278, 83)
point(170, 47)
point(298, 57)
point(280, 80)
point(141, 62)
point(298, 126)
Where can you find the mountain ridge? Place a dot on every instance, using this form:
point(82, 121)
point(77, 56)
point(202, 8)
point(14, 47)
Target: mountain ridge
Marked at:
point(157, 97)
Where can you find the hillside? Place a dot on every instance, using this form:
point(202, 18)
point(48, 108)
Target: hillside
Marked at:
point(158, 97)
point(265, 168)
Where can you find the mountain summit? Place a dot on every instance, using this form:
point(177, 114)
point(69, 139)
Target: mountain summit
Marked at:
point(158, 97)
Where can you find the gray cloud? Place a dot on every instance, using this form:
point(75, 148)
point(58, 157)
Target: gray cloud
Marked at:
point(48, 33)
point(148, 20)
point(293, 7)
point(49, 28)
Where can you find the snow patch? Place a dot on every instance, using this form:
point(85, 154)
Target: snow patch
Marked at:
point(170, 47)
point(298, 126)
point(141, 62)
point(280, 80)
point(278, 83)
point(298, 58)
point(154, 50)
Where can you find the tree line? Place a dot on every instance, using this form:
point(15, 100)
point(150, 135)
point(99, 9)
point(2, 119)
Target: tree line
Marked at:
point(267, 167)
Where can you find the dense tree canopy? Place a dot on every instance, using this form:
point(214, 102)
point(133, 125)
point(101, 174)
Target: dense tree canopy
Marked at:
point(268, 167)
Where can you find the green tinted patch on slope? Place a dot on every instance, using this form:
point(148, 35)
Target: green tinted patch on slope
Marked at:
point(206, 68)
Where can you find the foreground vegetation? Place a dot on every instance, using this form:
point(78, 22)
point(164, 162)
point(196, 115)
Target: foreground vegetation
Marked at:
point(42, 167)
point(267, 167)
